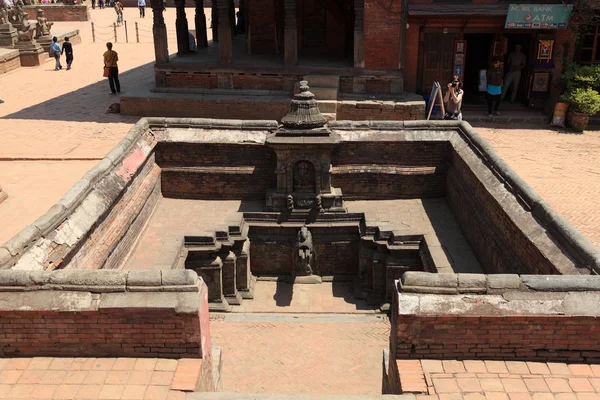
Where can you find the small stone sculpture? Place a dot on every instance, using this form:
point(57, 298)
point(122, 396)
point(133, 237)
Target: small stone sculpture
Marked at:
point(43, 26)
point(319, 204)
point(290, 202)
point(304, 253)
point(27, 35)
point(18, 16)
point(4, 14)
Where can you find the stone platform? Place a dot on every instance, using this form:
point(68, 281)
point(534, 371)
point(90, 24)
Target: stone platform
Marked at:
point(9, 60)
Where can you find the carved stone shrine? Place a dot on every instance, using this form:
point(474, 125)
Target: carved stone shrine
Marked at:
point(303, 145)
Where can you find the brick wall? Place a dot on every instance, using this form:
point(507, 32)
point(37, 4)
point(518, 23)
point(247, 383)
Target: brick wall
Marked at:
point(205, 107)
point(261, 23)
point(380, 110)
point(103, 322)
point(500, 245)
point(187, 80)
point(479, 334)
point(216, 171)
point(382, 33)
point(10, 62)
point(272, 250)
point(390, 170)
point(60, 12)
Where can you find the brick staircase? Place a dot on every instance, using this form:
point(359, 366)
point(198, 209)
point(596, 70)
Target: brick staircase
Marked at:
point(325, 88)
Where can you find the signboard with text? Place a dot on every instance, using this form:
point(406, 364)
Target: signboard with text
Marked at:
point(538, 16)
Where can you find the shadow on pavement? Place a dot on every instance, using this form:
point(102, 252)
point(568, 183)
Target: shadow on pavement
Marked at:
point(89, 103)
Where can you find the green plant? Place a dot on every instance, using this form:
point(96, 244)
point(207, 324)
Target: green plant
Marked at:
point(582, 100)
point(580, 76)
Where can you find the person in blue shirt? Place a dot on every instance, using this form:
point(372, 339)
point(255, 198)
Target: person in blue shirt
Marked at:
point(494, 76)
point(142, 7)
point(55, 50)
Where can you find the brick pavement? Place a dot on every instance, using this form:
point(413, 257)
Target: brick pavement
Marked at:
point(500, 380)
point(563, 167)
point(95, 378)
point(301, 355)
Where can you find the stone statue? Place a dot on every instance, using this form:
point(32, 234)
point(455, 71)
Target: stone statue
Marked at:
point(19, 16)
point(43, 26)
point(4, 14)
point(304, 256)
point(290, 202)
point(26, 35)
point(304, 177)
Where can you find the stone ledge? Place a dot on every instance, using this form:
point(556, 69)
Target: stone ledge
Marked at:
point(427, 282)
point(100, 281)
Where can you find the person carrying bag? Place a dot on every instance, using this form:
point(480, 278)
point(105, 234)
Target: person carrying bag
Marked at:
point(111, 70)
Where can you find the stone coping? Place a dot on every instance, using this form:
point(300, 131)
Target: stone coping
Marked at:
point(100, 281)
point(443, 283)
point(579, 246)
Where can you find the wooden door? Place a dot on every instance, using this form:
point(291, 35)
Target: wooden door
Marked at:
point(438, 60)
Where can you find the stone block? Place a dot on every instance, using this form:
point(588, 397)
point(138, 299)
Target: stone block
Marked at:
point(180, 303)
point(5, 256)
point(503, 281)
point(562, 283)
point(52, 217)
point(15, 278)
point(94, 281)
point(183, 277)
point(426, 279)
point(151, 278)
point(472, 283)
point(17, 244)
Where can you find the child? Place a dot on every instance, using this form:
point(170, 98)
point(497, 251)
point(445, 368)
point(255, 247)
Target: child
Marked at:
point(67, 48)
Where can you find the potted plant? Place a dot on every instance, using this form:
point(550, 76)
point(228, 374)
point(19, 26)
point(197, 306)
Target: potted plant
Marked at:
point(582, 102)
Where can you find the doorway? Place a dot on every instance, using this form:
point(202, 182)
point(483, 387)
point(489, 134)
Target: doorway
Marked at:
point(326, 28)
point(525, 40)
point(477, 59)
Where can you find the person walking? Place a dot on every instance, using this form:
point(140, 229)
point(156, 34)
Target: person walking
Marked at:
point(110, 61)
point(119, 10)
point(67, 48)
point(494, 86)
point(93, 4)
point(142, 7)
point(55, 49)
point(516, 62)
point(101, 4)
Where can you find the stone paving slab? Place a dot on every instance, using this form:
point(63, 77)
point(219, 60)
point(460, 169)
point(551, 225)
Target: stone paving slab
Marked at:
point(93, 378)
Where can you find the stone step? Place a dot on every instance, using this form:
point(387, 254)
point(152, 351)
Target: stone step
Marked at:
point(327, 106)
point(324, 81)
point(273, 396)
point(323, 93)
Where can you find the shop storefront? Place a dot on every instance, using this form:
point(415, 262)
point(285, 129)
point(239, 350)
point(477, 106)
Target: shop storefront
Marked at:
point(463, 39)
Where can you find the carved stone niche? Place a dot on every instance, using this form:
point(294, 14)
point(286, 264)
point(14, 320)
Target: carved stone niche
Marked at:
point(304, 172)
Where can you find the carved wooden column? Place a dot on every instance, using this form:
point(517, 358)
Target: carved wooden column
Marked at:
point(181, 27)
point(359, 33)
point(214, 21)
point(225, 48)
point(159, 32)
point(200, 23)
point(290, 33)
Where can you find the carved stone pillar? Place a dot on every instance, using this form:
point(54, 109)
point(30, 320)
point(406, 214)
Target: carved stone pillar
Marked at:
point(159, 32)
point(359, 33)
point(200, 23)
point(181, 27)
point(225, 48)
point(290, 33)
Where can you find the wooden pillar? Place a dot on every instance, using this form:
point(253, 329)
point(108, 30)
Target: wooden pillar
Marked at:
point(181, 28)
point(200, 23)
point(225, 48)
point(290, 33)
point(232, 17)
point(214, 21)
point(359, 34)
point(159, 32)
